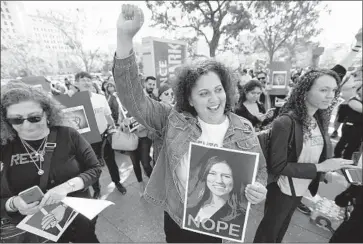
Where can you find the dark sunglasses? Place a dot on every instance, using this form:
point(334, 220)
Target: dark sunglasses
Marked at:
point(167, 93)
point(261, 78)
point(19, 121)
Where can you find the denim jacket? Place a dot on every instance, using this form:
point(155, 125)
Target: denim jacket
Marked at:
point(174, 131)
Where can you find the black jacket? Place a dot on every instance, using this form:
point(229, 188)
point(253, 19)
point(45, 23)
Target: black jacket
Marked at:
point(282, 163)
point(72, 157)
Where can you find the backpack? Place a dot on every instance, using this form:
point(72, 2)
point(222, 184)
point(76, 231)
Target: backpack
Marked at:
point(264, 138)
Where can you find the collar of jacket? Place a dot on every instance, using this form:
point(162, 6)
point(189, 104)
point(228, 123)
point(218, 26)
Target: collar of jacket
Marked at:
point(235, 123)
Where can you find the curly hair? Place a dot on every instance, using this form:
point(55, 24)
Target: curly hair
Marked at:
point(296, 101)
point(234, 201)
point(13, 93)
point(188, 76)
point(246, 88)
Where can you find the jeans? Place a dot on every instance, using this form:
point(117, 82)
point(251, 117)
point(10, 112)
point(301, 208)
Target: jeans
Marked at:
point(109, 156)
point(142, 153)
point(175, 234)
point(279, 209)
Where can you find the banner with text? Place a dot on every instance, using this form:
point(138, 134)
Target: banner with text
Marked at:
point(168, 57)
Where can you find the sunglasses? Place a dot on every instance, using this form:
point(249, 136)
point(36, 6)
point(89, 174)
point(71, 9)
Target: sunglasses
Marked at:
point(261, 78)
point(19, 121)
point(167, 93)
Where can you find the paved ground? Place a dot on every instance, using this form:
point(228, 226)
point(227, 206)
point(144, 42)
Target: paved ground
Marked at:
point(132, 219)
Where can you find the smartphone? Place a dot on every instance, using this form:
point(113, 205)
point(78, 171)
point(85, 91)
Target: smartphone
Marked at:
point(356, 157)
point(353, 175)
point(32, 194)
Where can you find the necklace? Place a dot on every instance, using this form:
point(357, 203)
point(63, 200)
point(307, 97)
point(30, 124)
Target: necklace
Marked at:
point(37, 153)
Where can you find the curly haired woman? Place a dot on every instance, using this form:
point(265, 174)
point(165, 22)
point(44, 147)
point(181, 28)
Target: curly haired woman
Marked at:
point(29, 118)
point(296, 168)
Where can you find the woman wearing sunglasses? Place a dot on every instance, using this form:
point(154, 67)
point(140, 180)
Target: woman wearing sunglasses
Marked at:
point(166, 94)
point(29, 117)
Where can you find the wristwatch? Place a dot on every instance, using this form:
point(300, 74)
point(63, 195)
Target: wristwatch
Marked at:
point(72, 185)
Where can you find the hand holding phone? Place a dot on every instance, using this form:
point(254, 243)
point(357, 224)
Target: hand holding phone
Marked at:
point(24, 208)
point(32, 194)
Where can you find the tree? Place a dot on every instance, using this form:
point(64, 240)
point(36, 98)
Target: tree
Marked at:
point(76, 26)
point(22, 55)
point(284, 24)
point(212, 20)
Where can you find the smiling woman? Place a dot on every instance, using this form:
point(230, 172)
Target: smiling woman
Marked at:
point(204, 95)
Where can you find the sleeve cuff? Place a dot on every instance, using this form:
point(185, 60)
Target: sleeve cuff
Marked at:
point(125, 62)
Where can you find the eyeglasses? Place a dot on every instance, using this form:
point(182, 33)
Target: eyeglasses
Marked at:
point(31, 119)
point(261, 78)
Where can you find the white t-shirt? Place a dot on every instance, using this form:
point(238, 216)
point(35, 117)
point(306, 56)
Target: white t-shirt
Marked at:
point(101, 110)
point(212, 135)
point(310, 153)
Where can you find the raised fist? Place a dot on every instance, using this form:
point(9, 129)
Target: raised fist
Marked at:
point(129, 21)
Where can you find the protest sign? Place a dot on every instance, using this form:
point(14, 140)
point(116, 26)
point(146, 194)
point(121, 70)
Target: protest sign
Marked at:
point(162, 57)
point(38, 81)
point(79, 109)
point(278, 78)
point(215, 202)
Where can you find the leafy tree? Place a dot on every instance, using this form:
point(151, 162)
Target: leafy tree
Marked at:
point(285, 24)
point(75, 25)
point(212, 20)
point(22, 55)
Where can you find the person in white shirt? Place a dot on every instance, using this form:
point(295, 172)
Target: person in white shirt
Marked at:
point(105, 123)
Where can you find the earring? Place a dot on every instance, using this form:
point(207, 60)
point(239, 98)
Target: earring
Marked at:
point(201, 193)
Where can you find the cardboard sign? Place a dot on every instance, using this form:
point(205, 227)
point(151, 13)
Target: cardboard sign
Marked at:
point(37, 81)
point(220, 174)
point(79, 108)
point(162, 57)
point(278, 78)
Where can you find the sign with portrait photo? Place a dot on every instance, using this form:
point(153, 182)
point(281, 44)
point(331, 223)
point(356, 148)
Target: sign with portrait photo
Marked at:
point(215, 202)
point(279, 79)
point(79, 116)
point(79, 109)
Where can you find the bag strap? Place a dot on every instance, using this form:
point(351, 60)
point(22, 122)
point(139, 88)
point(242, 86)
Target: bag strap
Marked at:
point(49, 149)
point(289, 148)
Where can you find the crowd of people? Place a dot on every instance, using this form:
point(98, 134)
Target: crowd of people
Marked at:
point(205, 104)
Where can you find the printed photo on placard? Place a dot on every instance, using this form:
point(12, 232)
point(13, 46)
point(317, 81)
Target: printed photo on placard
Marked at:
point(79, 117)
point(279, 79)
point(50, 222)
point(215, 202)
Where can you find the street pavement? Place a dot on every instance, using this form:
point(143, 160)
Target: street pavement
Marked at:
point(132, 219)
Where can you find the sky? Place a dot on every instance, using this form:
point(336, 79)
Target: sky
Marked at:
point(338, 27)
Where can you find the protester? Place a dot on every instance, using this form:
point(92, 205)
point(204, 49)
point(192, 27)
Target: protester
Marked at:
point(294, 169)
point(29, 117)
point(203, 103)
point(250, 108)
point(352, 130)
point(105, 124)
point(150, 86)
point(166, 94)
